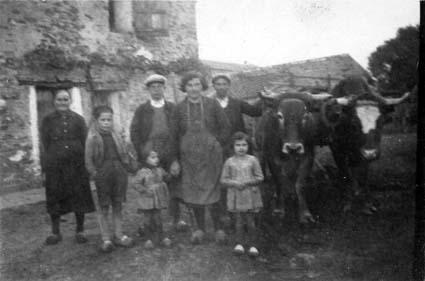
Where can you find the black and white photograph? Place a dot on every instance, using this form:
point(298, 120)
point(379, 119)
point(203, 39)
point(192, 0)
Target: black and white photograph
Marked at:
point(212, 140)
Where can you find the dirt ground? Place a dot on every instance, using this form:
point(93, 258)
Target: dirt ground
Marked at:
point(339, 247)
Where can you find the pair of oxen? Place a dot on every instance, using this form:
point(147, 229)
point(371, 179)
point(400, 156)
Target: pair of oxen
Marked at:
point(349, 121)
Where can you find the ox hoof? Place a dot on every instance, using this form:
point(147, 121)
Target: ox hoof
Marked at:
point(307, 218)
point(347, 208)
point(372, 207)
point(279, 213)
point(369, 210)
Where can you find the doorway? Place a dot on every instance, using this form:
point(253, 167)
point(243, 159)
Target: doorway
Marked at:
point(40, 105)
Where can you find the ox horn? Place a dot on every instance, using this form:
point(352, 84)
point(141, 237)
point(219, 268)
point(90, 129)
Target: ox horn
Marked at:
point(319, 97)
point(389, 101)
point(345, 100)
point(269, 93)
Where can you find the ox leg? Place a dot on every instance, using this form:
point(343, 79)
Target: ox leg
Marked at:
point(345, 177)
point(304, 213)
point(363, 196)
point(275, 171)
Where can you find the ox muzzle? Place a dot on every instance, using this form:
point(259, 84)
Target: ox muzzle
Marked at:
point(293, 147)
point(369, 154)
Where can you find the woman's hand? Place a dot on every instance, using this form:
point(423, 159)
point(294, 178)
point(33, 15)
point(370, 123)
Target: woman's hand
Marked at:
point(236, 184)
point(93, 175)
point(175, 168)
point(240, 185)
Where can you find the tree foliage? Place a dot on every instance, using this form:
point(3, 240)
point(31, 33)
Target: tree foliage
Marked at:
point(394, 63)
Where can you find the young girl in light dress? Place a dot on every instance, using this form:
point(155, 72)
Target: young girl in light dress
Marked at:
point(153, 196)
point(242, 176)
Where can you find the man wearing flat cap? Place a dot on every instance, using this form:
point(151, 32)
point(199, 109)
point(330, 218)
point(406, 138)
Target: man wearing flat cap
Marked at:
point(150, 130)
point(234, 108)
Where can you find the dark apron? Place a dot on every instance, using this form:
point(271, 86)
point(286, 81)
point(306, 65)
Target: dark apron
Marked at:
point(201, 161)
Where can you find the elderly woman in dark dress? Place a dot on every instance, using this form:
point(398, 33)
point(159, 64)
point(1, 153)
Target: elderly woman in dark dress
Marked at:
point(63, 134)
point(200, 128)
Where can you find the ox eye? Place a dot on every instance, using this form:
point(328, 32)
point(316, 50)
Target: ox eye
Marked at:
point(280, 116)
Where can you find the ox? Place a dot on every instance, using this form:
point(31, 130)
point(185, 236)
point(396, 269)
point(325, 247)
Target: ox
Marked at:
point(285, 137)
point(355, 120)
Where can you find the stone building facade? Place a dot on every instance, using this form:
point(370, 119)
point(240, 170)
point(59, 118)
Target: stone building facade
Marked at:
point(101, 50)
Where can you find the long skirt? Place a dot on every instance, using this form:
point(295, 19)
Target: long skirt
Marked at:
point(68, 189)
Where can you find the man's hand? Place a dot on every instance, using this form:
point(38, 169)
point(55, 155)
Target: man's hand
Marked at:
point(150, 192)
point(43, 179)
point(93, 175)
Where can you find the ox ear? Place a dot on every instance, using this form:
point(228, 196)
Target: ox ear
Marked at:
point(268, 93)
point(269, 98)
point(346, 101)
point(386, 109)
point(308, 126)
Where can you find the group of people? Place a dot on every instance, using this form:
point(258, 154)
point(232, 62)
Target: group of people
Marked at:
point(194, 152)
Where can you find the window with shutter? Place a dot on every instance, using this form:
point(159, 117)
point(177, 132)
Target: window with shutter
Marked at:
point(150, 19)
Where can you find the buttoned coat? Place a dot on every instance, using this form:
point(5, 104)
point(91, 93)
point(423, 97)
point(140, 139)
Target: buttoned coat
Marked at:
point(63, 138)
point(141, 125)
point(235, 110)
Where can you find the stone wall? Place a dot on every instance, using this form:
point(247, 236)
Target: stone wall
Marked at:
point(82, 30)
point(82, 27)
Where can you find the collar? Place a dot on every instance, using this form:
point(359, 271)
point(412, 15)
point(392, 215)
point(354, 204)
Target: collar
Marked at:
point(194, 102)
point(157, 104)
point(223, 102)
point(66, 113)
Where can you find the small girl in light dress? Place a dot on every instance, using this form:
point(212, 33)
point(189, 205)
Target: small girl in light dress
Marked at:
point(242, 176)
point(153, 196)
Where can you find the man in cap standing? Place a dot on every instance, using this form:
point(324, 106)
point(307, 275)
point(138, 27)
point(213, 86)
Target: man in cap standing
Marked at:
point(150, 130)
point(234, 108)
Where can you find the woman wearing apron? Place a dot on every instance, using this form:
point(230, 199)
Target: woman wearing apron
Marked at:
point(200, 128)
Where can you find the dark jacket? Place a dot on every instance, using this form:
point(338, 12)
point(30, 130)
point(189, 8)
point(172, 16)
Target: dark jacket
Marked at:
point(215, 119)
point(94, 156)
point(235, 110)
point(141, 125)
point(63, 137)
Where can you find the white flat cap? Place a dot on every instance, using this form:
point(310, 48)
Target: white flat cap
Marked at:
point(155, 78)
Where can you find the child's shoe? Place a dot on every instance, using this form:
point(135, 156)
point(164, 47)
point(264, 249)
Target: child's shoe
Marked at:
point(166, 242)
point(107, 246)
point(141, 231)
point(220, 237)
point(238, 249)
point(253, 252)
point(148, 245)
point(197, 237)
point(80, 238)
point(144, 230)
point(53, 239)
point(124, 241)
point(181, 226)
